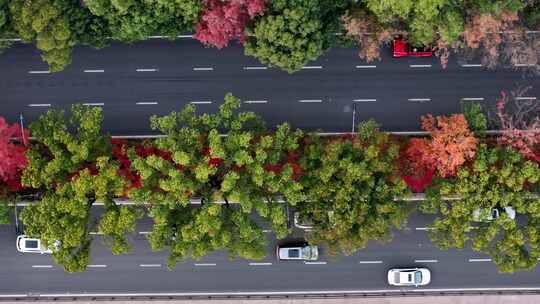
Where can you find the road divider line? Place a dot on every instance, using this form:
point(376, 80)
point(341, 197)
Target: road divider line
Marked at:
point(526, 98)
point(185, 36)
point(419, 99)
point(479, 260)
point(39, 72)
point(97, 104)
point(420, 65)
point(473, 98)
point(471, 65)
point(426, 261)
point(256, 68)
point(205, 264)
point(260, 264)
point(315, 263)
point(312, 67)
point(309, 100)
point(97, 266)
point(42, 266)
point(150, 265)
point(364, 100)
point(146, 70)
point(423, 228)
point(157, 37)
point(256, 101)
point(370, 262)
point(203, 69)
point(366, 66)
point(146, 103)
point(201, 102)
point(35, 105)
point(144, 232)
point(94, 71)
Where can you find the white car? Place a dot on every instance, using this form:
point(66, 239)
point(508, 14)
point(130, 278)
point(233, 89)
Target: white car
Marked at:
point(298, 252)
point(488, 215)
point(409, 276)
point(30, 245)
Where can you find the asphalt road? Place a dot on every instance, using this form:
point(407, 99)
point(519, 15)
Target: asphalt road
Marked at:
point(132, 82)
point(144, 271)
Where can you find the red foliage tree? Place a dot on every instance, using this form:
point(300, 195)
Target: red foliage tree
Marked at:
point(12, 155)
point(225, 20)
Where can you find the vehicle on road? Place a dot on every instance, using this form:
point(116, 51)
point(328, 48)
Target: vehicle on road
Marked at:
point(31, 245)
point(302, 251)
point(488, 215)
point(402, 48)
point(409, 276)
point(302, 223)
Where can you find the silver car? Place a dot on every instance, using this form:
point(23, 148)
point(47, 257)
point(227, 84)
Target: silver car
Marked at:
point(409, 276)
point(298, 252)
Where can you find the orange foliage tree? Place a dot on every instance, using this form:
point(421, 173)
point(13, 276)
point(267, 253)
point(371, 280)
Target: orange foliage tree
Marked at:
point(452, 143)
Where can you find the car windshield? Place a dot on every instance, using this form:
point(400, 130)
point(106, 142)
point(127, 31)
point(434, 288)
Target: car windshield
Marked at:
point(417, 277)
point(32, 244)
point(294, 253)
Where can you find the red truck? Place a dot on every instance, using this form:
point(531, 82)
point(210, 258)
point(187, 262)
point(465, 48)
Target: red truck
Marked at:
point(401, 48)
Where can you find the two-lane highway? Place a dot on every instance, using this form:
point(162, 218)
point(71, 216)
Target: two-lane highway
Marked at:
point(132, 82)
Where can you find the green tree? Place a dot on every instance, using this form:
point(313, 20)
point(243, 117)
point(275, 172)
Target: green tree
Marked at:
point(291, 33)
point(350, 188)
point(73, 170)
point(497, 178)
point(5, 25)
point(136, 20)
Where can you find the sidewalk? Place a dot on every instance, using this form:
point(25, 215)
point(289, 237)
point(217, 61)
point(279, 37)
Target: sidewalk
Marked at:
point(507, 299)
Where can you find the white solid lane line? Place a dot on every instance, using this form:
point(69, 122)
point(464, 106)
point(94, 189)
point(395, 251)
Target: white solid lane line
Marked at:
point(309, 100)
point(479, 260)
point(39, 72)
point(370, 262)
point(471, 65)
point(311, 67)
point(149, 265)
point(94, 71)
point(260, 264)
point(205, 264)
point(42, 266)
point(157, 37)
point(525, 98)
point(366, 66)
point(201, 102)
point(315, 263)
point(256, 68)
point(473, 98)
point(185, 36)
point(39, 105)
point(419, 99)
point(146, 70)
point(97, 104)
point(203, 69)
point(97, 266)
point(420, 65)
point(364, 100)
point(146, 103)
point(256, 101)
point(426, 261)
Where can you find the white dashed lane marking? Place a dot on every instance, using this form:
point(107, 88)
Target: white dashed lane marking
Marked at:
point(312, 67)
point(94, 71)
point(366, 66)
point(364, 100)
point(315, 263)
point(525, 98)
point(426, 261)
point(471, 65)
point(42, 266)
point(422, 228)
point(256, 68)
point(146, 70)
point(420, 65)
point(205, 264)
point(473, 98)
point(419, 99)
point(255, 101)
point(144, 232)
point(479, 260)
point(96, 104)
point(203, 69)
point(310, 100)
point(35, 105)
point(260, 264)
point(97, 266)
point(370, 262)
point(150, 265)
point(201, 102)
point(39, 72)
point(146, 103)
